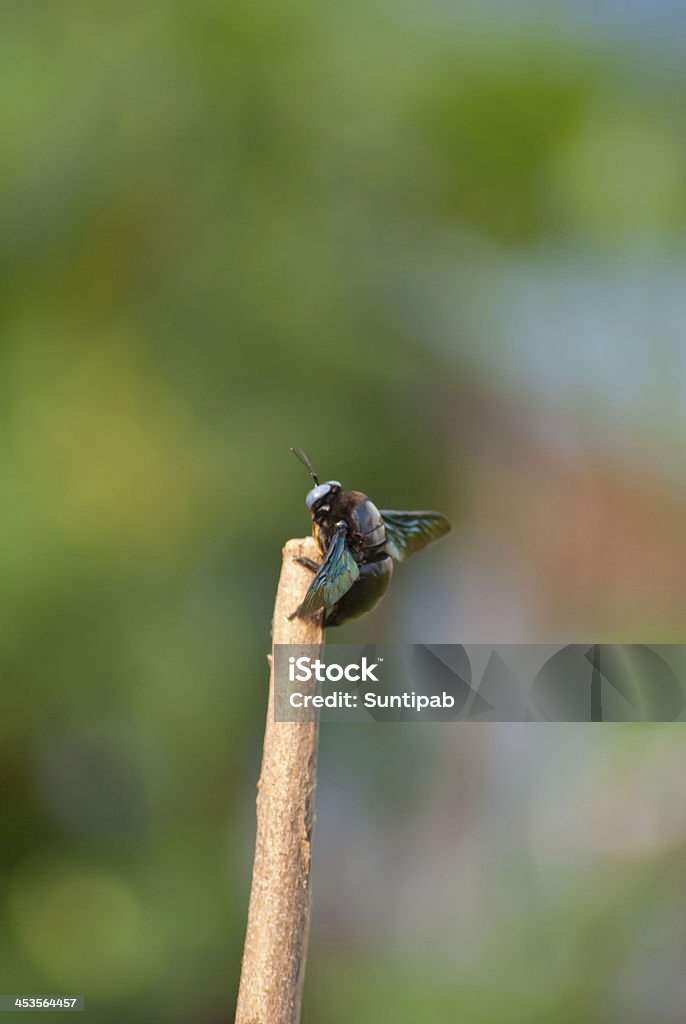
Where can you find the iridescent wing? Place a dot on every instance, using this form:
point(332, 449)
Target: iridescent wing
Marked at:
point(334, 577)
point(408, 532)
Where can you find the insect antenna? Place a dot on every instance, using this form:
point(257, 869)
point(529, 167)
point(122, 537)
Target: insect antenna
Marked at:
point(300, 454)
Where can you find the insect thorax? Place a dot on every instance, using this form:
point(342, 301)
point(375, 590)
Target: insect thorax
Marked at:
point(366, 535)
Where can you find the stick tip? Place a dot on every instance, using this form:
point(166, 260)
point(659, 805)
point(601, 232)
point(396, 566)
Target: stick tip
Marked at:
point(296, 546)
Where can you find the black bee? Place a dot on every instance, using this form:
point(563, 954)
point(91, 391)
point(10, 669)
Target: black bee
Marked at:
point(358, 543)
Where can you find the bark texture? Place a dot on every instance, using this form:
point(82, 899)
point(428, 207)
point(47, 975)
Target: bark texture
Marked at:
point(273, 968)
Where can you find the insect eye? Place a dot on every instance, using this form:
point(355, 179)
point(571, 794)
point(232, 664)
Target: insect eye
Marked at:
point(316, 495)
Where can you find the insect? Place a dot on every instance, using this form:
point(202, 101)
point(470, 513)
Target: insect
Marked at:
point(359, 543)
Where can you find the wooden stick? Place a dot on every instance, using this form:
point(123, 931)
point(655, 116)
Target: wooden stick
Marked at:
point(273, 969)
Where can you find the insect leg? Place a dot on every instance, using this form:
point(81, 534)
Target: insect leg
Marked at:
point(307, 562)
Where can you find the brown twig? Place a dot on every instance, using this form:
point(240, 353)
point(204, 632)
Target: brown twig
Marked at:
point(273, 969)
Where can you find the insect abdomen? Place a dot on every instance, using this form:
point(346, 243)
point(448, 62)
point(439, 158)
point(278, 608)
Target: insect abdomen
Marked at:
point(370, 523)
point(365, 593)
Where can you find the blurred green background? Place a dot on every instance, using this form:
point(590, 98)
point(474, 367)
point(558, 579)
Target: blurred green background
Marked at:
point(441, 246)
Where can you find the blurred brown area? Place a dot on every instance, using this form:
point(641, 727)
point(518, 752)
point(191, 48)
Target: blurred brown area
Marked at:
point(602, 542)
